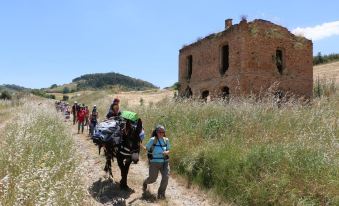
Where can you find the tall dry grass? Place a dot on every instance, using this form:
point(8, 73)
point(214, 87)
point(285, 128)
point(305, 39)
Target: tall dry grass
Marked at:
point(38, 163)
point(249, 151)
point(252, 152)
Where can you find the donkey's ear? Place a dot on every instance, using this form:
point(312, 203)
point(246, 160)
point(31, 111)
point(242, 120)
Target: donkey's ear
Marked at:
point(139, 126)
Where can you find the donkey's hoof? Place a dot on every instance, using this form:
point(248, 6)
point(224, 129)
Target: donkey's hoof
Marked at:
point(125, 188)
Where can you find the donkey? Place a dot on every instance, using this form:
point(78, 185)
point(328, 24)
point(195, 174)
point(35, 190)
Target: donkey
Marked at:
point(126, 150)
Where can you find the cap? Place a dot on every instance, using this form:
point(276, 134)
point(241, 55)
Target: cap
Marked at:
point(159, 127)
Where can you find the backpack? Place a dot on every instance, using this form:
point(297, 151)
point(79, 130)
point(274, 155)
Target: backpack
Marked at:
point(155, 142)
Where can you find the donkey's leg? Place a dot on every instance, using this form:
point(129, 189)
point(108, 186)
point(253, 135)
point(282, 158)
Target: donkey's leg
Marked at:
point(127, 164)
point(123, 181)
point(108, 166)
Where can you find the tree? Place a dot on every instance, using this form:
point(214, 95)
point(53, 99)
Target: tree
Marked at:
point(176, 86)
point(54, 86)
point(66, 90)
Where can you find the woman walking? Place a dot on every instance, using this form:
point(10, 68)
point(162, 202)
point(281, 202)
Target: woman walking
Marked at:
point(158, 149)
point(81, 119)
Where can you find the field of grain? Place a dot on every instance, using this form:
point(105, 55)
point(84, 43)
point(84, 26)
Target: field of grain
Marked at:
point(327, 71)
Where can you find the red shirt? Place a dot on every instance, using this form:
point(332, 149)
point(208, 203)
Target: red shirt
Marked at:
point(81, 115)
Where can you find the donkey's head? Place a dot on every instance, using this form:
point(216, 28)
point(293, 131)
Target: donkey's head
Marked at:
point(132, 138)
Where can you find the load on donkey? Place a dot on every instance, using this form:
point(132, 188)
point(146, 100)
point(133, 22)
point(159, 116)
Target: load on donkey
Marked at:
point(119, 137)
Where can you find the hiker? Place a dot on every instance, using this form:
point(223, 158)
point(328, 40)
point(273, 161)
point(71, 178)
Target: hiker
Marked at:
point(81, 119)
point(93, 120)
point(158, 149)
point(114, 110)
point(86, 116)
point(75, 109)
point(67, 112)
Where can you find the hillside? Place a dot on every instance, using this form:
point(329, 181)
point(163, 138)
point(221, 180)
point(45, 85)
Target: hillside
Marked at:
point(327, 71)
point(102, 81)
point(13, 88)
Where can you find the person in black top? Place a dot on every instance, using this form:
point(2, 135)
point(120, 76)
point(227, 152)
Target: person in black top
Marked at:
point(75, 109)
point(93, 120)
point(114, 110)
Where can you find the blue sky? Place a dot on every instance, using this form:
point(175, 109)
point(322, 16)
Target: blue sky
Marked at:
point(43, 42)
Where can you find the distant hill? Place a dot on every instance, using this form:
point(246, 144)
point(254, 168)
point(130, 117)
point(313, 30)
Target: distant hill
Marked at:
point(102, 81)
point(112, 79)
point(13, 88)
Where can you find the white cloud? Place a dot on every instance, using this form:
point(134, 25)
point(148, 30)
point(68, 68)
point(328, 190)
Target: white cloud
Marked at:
point(319, 31)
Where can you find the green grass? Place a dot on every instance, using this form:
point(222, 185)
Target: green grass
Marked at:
point(253, 153)
point(38, 165)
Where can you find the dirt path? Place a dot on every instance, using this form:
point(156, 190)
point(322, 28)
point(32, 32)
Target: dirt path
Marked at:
point(105, 192)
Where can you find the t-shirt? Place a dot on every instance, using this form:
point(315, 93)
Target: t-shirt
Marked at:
point(161, 146)
point(81, 115)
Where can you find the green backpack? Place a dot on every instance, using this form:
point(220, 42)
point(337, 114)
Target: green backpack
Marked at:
point(130, 116)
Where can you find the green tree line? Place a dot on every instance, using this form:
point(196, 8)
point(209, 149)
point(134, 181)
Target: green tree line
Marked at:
point(323, 59)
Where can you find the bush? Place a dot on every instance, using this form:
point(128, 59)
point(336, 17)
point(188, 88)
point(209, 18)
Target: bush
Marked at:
point(65, 98)
point(324, 88)
point(5, 95)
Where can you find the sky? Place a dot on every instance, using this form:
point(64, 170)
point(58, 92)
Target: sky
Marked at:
point(45, 42)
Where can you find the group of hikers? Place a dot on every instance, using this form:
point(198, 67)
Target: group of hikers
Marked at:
point(84, 117)
point(158, 146)
point(63, 107)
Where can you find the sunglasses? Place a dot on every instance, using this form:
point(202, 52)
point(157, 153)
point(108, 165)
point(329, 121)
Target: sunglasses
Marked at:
point(161, 132)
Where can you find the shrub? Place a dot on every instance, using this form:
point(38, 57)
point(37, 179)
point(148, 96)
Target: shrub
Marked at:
point(5, 95)
point(65, 98)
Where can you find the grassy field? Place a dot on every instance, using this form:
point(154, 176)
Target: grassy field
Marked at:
point(327, 71)
point(38, 165)
point(249, 152)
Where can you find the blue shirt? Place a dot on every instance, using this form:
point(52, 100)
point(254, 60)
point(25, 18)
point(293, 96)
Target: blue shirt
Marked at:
point(161, 146)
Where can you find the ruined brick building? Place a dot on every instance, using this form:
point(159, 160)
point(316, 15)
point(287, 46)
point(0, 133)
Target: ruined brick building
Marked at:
point(244, 59)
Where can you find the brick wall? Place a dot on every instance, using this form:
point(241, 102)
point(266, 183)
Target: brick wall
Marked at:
point(252, 61)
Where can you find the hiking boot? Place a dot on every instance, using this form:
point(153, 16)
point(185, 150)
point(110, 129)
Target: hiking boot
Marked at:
point(144, 187)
